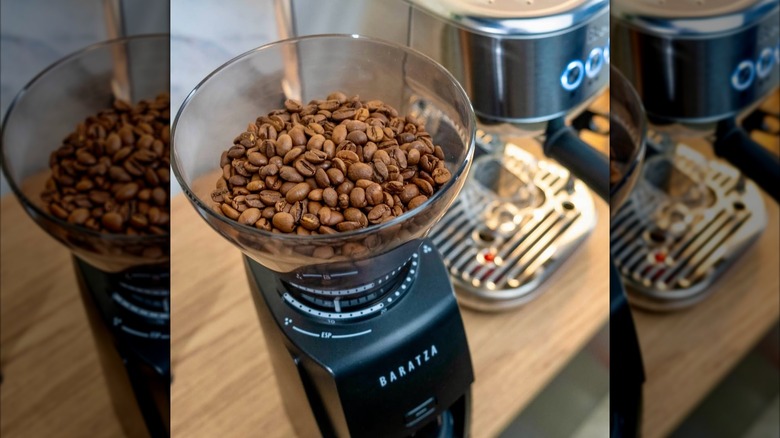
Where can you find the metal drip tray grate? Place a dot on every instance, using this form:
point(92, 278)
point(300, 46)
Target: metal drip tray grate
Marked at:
point(666, 268)
point(501, 240)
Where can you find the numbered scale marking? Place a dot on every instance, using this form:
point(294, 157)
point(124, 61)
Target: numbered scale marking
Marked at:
point(389, 292)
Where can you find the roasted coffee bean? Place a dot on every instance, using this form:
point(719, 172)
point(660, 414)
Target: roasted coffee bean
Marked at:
point(441, 176)
point(324, 159)
point(249, 216)
point(298, 193)
point(113, 221)
point(236, 151)
point(438, 152)
point(293, 154)
point(264, 224)
point(99, 197)
point(270, 197)
point(360, 171)
point(416, 201)
point(425, 187)
point(375, 133)
point(323, 252)
point(84, 185)
point(413, 157)
point(340, 165)
point(159, 196)
point(343, 201)
point(273, 182)
point(288, 173)
point(374, 194)
point(255, 186)
point(127, 192)
point(408, 192)
point(330, 197)
point(378, 213)
point(257, 158)
point(310, 221)
point(293, 106)
point(336, 176)
point(228, 211)
point(355, 215)
point(345, 187)
point(284, 222)
point(305, 168)
point(322, 179)
point(78, 216)
point(348, 226)
point(357, 198)
point(119, 174)
point(315, 142)
point(357, 137)
point(269, 212)
point(139, 221)
point(297, 136)
point(237, 180)
point(284, 144)
point(329, 217)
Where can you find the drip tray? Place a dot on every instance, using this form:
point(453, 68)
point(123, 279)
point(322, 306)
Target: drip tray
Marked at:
point(516, 220)
point(672, 270)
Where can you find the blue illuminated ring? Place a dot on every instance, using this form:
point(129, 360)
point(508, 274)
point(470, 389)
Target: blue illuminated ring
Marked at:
point(736, 82)
point(590, 69)
point(606, 52)
point(765, 62)
point(569, 86)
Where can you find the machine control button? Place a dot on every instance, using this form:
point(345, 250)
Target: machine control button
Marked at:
point(743, 75)
point(420, 412)
point(765, 63)
point(594, 62)
point(572, 75)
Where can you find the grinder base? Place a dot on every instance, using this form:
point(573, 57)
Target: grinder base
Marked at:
point(402, 371)
point(130, 320)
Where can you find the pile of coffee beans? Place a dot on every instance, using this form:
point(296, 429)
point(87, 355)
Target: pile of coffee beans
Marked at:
point(112, 173)
point(337, 164)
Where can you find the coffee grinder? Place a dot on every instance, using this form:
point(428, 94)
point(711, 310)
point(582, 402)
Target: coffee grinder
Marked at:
point(529, 68)
point(366, 340)
point(699, 68)
point(124, 280)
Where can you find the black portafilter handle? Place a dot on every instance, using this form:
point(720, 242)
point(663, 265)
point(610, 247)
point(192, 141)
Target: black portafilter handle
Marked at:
point(734, 145)
point(591, 166)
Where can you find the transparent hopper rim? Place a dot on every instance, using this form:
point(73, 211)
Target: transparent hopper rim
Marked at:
point(408, 215)
point(26, 202)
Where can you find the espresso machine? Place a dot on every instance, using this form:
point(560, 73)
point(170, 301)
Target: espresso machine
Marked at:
point(701, 69)
point(530, 69)
point(123, 279)
point(362, 326)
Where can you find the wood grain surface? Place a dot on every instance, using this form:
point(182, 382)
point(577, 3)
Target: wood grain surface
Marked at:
point(224, 385)
point(687, 353)
point(52, 381)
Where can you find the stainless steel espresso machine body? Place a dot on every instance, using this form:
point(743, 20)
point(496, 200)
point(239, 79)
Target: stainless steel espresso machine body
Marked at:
point(520, 62)
point(527, 67)
point(699, 68)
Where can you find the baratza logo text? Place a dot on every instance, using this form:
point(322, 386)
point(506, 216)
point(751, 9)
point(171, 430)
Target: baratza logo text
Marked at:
point(411, 365)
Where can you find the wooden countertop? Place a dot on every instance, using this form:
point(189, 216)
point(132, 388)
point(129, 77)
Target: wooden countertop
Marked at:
point(687, 353)
point(224, 384)
point(52, 381)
